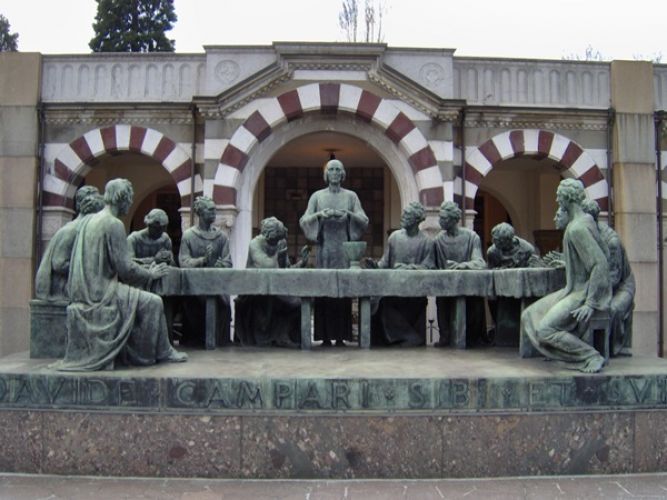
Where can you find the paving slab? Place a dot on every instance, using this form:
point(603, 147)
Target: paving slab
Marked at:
point(30, 487)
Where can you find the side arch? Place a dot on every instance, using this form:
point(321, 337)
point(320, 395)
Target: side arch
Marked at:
point(77, 158)
point(572, 158)
point(330, 99)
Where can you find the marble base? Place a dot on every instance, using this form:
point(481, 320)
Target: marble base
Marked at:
point(335, 414)
point(332, 447)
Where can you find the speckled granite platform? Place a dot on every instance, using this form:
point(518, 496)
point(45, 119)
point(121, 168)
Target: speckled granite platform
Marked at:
point(335, 413)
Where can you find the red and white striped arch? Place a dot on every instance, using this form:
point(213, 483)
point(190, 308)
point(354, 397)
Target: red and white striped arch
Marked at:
point(77, 158)
point(328, 98)
point(575, 162)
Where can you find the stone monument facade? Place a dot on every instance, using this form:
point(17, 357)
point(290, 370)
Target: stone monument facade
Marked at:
point(212, 123)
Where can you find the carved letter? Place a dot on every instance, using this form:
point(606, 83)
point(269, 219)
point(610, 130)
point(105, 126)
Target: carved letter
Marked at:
point(614, 391)
point(217, 397)
point(339, 394)
point(88, 396)
point(185, 392)
point(127, 393)
point(246, 394)
point(535, 392)
point(312, 398)
point(23, 390)
point(51, 393)
point(417, 398)
point(459, 393)
point(662, 390)
point(281, 393)
point(365, 394)
point(641, 395)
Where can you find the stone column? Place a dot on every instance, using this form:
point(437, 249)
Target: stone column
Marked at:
point(19, 94)
point(634, 179)
point(469, 219)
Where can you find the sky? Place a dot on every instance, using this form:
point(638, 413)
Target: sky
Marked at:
point(541, 29)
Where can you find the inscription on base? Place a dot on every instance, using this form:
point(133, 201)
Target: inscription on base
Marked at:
point(332, 395)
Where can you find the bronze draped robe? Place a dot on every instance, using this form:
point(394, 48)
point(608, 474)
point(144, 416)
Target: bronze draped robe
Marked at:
point(107, 319)
point(402, 320)
point(464, 247)
point(52, 274)
point(548, 323)
point(265, 320)
point(333, 317)
point(193, 247)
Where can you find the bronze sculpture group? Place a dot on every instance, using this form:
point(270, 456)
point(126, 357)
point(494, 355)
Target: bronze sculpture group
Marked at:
point(113, 318)
point(109, 321)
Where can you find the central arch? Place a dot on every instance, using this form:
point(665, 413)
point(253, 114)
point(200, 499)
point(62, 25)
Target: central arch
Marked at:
point(386, 149)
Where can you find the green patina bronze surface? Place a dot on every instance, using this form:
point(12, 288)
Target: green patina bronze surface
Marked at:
point(324, 381)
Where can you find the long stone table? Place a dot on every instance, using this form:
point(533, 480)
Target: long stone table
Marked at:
point(363, 284)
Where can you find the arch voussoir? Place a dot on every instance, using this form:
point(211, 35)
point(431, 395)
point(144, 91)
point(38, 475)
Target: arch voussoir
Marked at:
point(327, 98)
point(76, 159)
point(574, 161)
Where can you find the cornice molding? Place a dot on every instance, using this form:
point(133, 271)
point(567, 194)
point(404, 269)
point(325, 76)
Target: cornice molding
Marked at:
point(110, 116)
point(406, 89)
point(545, 119)
point(509, 123)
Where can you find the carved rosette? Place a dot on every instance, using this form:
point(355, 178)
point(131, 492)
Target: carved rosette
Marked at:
point(227, 71)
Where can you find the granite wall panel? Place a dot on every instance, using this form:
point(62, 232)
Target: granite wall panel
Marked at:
point(328, 446)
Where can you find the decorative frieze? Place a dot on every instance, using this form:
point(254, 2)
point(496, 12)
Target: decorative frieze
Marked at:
point(537, 83)
point(123, 78)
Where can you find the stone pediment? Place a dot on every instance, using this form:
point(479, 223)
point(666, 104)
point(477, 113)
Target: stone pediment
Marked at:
point(423, 86)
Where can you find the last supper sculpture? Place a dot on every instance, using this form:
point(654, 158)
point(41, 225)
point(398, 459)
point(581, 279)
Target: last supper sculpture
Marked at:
point(111, 322)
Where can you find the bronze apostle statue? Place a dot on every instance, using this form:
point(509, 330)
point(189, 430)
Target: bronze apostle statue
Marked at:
point(458, 248)
point(623, 285)
point(508, 251)
point(53, 271)
point(270, 320)
point(204, 245)
point(152, 244)
point(555, 324)
point(334, 215)
point(402, 320)
point(108, 321)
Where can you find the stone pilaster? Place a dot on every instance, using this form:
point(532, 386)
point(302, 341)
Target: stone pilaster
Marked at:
point(19, 95)
point(635, 190)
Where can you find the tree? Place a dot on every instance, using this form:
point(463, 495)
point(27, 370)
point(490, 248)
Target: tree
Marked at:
point(373, 13)
point(590, 54)
point(347, 19)
point(8, 41)
point(655, 58)
point(133, 26)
